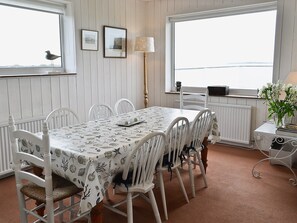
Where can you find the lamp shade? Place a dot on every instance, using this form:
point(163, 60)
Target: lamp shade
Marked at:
point(145, 44)
point(291, 78)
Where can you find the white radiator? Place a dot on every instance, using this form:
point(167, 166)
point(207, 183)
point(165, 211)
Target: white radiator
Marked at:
point(234, 122)
point(32, 125)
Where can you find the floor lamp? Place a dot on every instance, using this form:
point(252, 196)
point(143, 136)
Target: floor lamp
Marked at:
point(145, 45)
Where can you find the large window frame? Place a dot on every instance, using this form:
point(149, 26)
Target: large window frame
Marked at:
point(67, 37)
point(170, 40)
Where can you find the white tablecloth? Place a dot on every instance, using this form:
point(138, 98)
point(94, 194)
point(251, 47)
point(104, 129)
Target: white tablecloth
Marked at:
point(90, 154)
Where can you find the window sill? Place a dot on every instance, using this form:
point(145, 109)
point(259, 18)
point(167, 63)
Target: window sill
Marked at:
point(38, 75)
point(227, 96)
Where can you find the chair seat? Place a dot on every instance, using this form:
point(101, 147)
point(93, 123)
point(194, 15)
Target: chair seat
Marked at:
point(62, 189)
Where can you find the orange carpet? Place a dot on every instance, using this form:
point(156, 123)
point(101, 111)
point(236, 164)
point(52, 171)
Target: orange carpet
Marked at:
point(233, 194)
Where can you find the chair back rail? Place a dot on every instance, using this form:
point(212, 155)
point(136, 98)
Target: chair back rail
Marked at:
point(199, 128)
point(176, 136)
point(61, 117)
point(100, 111)
point(144, 158)
point(193, 100)
point(123, 105)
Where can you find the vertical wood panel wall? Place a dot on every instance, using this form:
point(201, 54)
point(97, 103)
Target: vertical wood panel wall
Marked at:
point(101, 80)
point(98, 79)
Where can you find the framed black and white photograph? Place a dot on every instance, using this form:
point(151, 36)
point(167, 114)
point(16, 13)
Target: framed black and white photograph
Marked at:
point(89, 39)
point(114, 42)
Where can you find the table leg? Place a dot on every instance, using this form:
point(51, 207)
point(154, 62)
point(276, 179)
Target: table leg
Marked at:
point(204, 153)
point(97, 213)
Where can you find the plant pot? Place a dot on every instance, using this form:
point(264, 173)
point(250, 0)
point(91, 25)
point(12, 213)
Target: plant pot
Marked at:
point(282, 122)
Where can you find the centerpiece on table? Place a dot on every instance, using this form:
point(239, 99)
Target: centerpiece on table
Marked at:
point(281, 100)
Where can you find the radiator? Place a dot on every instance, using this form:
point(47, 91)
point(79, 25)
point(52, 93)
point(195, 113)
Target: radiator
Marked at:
point(32, 125)
point(234, 122)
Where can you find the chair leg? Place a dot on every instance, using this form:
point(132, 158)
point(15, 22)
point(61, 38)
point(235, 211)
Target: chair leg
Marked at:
point(61, 207)
point(154, 206)
point(191, 175)
point(195, 162)
point(40, 211)
point(129, 208)
point(202, 169)
point(107, 195)
point(181, 184)
point(22, 205)
point(72, 212)
point(162, 189)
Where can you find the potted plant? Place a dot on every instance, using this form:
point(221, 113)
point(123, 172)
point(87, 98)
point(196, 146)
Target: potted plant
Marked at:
point(281, 100)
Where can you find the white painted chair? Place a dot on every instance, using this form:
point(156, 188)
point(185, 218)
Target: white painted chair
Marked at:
point(100, 111)
point(198, 131)
point(61, 117)
point(45, 190)
point(171, 160)
point(193, 100)
point(137, 176)
point(123, 105)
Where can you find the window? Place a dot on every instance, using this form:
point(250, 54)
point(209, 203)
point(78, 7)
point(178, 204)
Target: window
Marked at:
point(232, 47)
point(28, 30)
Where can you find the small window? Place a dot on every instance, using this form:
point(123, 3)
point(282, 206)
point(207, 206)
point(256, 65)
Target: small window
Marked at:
point(30, 29)
point(232, 47)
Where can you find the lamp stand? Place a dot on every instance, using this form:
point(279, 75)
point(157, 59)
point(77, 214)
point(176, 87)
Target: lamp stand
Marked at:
point(145, 82)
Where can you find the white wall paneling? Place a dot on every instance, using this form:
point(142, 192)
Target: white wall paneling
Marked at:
point(4, 108)
point(36, 97)
point(98, 79)
point(104, 80)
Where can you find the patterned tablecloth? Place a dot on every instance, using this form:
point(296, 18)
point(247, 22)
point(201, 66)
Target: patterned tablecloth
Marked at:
point(90, 154)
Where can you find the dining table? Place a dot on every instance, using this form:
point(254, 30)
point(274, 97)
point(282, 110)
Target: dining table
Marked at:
point(90, 154)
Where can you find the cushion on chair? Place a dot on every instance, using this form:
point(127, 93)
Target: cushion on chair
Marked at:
point(191, 148)
point(169, 164)
point(62, 189)
point(118, 180)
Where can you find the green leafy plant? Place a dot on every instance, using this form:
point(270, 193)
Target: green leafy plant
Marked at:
point(281, 100)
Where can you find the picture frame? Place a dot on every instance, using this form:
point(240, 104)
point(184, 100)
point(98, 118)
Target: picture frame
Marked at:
point(89, 39)
point(114, 42)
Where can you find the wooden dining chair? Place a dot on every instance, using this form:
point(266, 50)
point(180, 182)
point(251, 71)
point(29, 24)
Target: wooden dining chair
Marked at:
point(61, 117)
point(198, 131)
point(193, 100)
point(138, 174)
point(123, 105)
point(44, 189)
point(172, 158)
point(100, 111)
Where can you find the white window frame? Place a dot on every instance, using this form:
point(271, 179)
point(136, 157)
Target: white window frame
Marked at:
point(170, 39)
point(67, 36)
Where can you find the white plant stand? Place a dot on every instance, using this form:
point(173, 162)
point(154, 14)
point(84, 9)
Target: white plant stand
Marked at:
point(285, 155)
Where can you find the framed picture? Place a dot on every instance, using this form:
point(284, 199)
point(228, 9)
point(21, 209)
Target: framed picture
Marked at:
point(114, 42)
point(89, 39)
